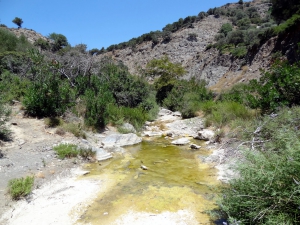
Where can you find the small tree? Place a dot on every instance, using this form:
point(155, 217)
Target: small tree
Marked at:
point(43, 44)
point(18, 21)
point(167, 72)
point(60, 41)
point(225, 29)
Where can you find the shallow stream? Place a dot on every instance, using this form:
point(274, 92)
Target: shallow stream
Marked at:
point(175, 180)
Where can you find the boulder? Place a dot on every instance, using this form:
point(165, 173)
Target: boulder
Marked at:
point(121, 140)
point(163, 112)
point(114, 149)
point(177, 114)
point(170, 134)
point(181, 141)
point(102, 155)
point(128, 128)
point(167, 115)
point(205, 135)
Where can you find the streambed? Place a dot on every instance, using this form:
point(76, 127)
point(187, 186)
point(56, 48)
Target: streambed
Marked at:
point(176, 185)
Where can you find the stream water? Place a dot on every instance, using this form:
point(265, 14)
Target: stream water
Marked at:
point(175, 180)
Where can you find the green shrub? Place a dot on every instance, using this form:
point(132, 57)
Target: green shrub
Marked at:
point(186, 96)
point(43, 44)
point(96, 100)
point(221, 113)
point(74, 128)
point(53, 121)
point(70, 150)
point(150, 106)
point(47, 94)
point(15, 63)
point(60, 41)
point(167, 73)
point(8, 41)
point(4, 117)
point(12, 87)
point(21, 187)
point(278, 87)
point(267, 190)
point(288, 25)
point(66, 150)
point(225, 29)
point(241, 93)
point(87, 153)
point(239, 52)
point(23, 45)
point(48, 98)
point(190, 105)
point(283, 10)
point(135, 116)
point(127, 90)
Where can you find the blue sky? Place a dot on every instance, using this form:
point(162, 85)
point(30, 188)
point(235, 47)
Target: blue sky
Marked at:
point(100, 23)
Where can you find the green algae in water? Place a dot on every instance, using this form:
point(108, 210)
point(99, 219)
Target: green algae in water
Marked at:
point(174, 180)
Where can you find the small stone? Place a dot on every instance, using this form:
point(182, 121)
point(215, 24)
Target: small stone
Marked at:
point(144, 167)
point(181, 141)
point(194, 146)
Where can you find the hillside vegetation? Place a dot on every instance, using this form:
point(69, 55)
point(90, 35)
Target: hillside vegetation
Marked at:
point(261, 118)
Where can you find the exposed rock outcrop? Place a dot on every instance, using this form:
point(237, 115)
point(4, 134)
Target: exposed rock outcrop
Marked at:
point(206, 135)
point(121, 140)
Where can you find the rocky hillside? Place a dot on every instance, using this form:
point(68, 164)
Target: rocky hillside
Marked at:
point(220, 71)
point(30, 34)
point(189, 47)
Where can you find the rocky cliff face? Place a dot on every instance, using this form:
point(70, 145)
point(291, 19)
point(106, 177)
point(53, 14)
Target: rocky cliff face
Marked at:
point(189, 52)
point(220, 71)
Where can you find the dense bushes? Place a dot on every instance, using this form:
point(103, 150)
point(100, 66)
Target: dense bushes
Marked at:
point(12, 87)
point(4, 116)
point(267, 190)
point(186, 97)
point(59, 41)
point(244, 94)
point(97, 98)
point(221, 113)
point(10, 42)
point(278, 87)
point(283, 9)
point(43, 44)
point(165, 74)
point(48, 88)
point(249, 27)
point(127, 90)
point(47, 94)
